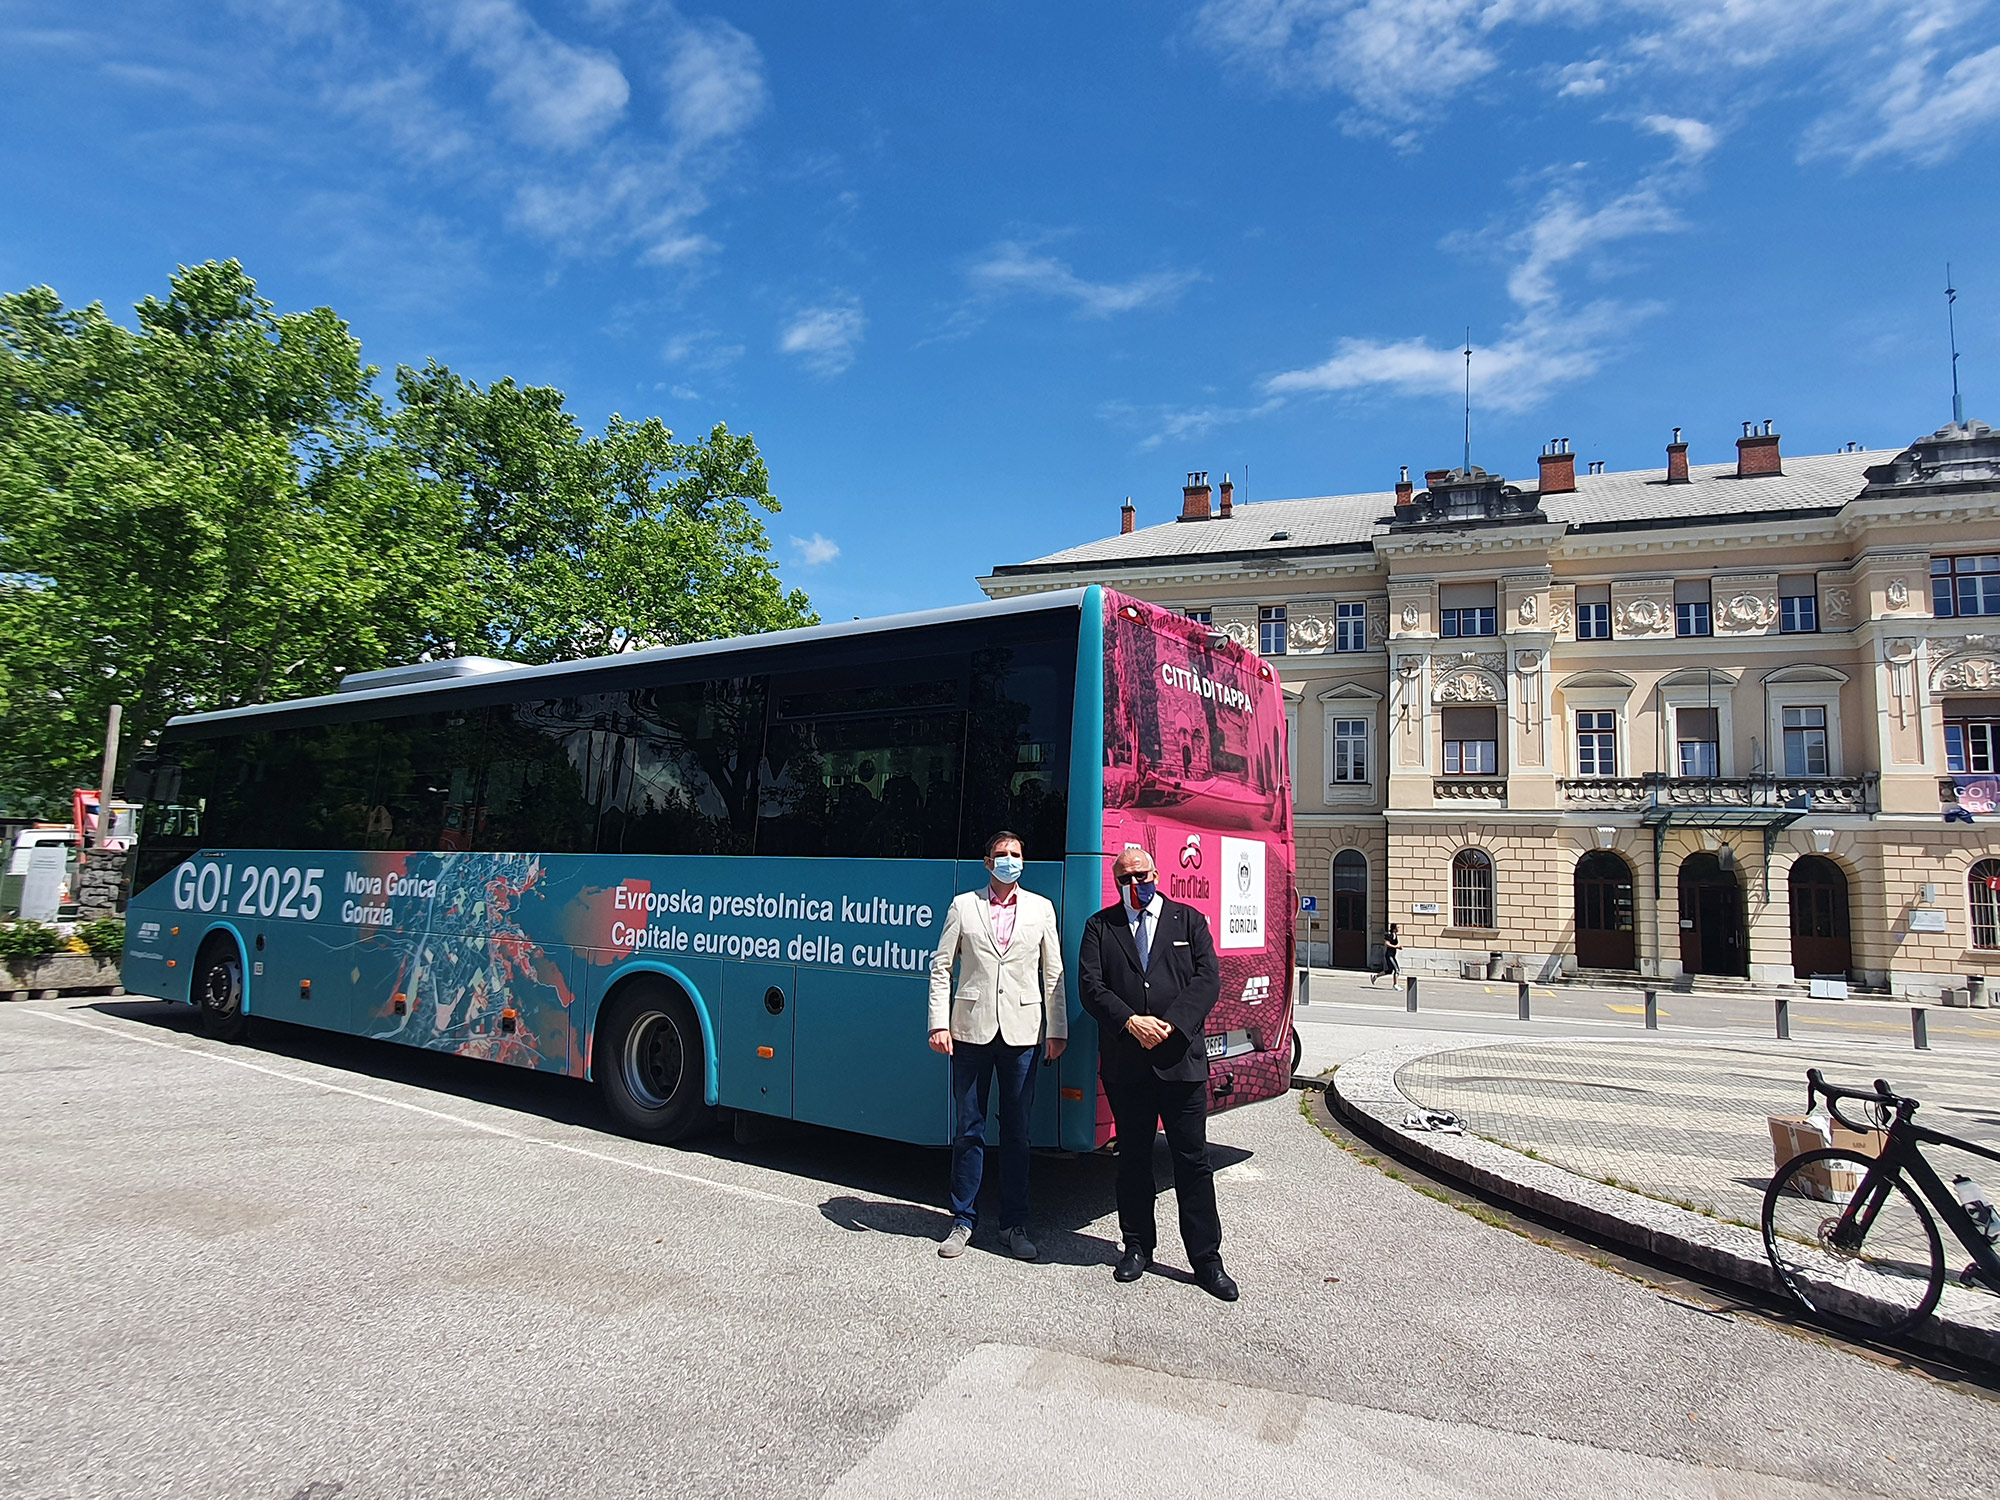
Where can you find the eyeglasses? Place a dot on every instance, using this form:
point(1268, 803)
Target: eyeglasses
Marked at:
point(1135, 877)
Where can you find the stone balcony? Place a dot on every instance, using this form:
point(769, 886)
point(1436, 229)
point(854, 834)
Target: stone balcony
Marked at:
point(1489, 791)
point(1832, 794)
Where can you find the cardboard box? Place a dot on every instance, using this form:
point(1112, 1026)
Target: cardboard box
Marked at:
point(1794, 1135)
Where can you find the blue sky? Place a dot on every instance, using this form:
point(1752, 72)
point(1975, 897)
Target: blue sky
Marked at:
point(974, 272)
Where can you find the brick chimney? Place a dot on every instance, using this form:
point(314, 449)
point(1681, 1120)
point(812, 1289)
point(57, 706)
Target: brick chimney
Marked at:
point(1406, 496)
point(1127, 517)
point(1757, 451)
point(1677, 460)
point(1558, 468)
point(1228, 497)
point(1194, 497)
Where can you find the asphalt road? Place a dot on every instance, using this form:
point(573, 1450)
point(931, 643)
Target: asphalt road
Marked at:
point(316, 1267)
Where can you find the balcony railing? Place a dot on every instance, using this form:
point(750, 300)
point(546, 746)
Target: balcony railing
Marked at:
point(1469, 789)
point(1847, 794)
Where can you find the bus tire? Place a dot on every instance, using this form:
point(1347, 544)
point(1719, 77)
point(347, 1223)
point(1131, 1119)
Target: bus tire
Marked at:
point(651, 1062)
point(218, 990)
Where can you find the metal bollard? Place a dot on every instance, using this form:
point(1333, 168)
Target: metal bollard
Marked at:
point(1920, 1030)
point(1410, 993)
point(1784, 1019)
point(1521, 998)
point(1305, 986)
point(1652, 1010)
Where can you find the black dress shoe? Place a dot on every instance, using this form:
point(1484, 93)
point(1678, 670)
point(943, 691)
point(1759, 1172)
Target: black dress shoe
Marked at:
point(1215, 1281)
point(1132, 1264)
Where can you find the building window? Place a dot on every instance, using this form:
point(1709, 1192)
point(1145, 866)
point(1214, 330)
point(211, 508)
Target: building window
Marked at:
point(1969, 744)
point(1798, 614)
point(1201, 616)
point(1350, 750)
point(1350, 627)
point(1697, 741)
point(1471, 757)
point(1965, 585)
point(1805, 741)
point(1474, 621)
point(1271, 630)
point(1471, 889)
point(1597, 743)
point(1593, 622)
point(1983, 886)
point(1691, 618)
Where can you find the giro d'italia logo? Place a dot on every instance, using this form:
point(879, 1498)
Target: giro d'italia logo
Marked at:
point(1191, 852)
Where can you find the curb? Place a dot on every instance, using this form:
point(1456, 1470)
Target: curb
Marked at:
point(1363, 1093)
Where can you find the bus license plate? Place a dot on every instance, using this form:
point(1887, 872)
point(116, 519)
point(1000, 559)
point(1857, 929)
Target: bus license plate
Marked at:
point(1229, 1044)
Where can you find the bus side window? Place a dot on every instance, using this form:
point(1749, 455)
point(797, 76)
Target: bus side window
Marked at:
point(1017, 747)
point(427, 781)
point(873, 787)
point(682, 775)
point(538, 788)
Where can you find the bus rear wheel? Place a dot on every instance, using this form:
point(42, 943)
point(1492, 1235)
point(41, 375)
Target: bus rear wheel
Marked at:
point(218, 991)
point(651, 1062)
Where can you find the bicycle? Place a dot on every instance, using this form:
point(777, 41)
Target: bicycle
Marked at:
point(1849, 1236)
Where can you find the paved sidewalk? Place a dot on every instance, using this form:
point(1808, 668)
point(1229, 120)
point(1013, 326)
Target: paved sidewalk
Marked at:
point(1686, 1121)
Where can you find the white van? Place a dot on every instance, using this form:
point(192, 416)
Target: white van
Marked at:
point(25, 844)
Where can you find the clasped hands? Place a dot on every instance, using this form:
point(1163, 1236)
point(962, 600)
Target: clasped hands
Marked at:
point(1148, 1031)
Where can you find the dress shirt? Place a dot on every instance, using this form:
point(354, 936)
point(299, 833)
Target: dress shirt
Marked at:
point(1003, 910)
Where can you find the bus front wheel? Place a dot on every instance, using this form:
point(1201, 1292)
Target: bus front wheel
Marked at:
point(651, 1062)
point(218, 991)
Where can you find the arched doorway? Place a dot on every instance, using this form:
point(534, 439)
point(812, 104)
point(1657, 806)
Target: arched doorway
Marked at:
point(1819, 918)
point(1604, 928)
point(1350, 910)
point(1712, 918)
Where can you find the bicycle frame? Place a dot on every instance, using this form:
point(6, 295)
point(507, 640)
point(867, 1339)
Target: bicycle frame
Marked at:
point(1900, 1155)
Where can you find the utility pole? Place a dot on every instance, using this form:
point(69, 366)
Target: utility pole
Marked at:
point(110, 773)
point(1951, 324)
point(1468, 398)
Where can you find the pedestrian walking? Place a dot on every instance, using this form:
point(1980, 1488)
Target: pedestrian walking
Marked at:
point(1390, 944)
point(1147, 972)
point(1008, 1006)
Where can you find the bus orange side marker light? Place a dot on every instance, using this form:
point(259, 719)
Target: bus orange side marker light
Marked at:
point(767, 1052)
point(508, 1019)
point(176, 932)
point(173, 963)
point(305, 989)
point(402, 1002)
point(1072, 1093)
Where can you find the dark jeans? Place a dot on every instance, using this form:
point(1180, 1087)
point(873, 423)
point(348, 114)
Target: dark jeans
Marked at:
point(973, 1066)
point(1138, 1104)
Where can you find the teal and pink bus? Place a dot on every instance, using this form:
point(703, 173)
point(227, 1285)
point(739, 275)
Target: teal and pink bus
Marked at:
point(712, 876)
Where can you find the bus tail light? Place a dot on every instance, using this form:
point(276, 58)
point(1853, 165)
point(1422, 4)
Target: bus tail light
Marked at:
point(767, 1051)
point(1264, 671)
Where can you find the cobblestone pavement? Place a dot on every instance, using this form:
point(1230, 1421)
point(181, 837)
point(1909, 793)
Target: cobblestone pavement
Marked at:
point(1687, 1121)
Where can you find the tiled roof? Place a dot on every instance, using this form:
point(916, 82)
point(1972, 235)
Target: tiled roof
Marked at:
point(1638, 497)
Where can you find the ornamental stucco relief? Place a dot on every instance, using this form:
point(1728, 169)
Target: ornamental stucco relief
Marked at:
point(1839, 603)
point(1747, 612)
point(1240, 633)
point(1643, 617)
point(1529, 610)
point(1897, 593)
point(1562, 619)
point(1963, 674)
point(1466, 685)
point(1410, 617)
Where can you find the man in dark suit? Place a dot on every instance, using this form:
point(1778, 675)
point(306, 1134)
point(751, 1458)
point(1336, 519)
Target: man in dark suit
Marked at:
point(1147, 973)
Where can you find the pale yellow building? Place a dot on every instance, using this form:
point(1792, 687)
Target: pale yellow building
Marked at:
point(1723, 719)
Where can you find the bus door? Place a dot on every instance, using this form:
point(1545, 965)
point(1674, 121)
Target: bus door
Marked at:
point(759, 1020)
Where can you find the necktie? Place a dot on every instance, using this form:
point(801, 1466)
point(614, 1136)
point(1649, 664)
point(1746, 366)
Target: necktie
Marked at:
point(1142, 931)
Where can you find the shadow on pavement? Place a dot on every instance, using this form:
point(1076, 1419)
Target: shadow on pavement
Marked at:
point(1071, 1190)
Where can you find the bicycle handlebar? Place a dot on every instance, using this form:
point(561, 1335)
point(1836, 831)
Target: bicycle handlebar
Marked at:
point(1881, 1096)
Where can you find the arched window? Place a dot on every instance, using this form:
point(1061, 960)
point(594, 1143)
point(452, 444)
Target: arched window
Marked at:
point(1471, 889)
point(1983, 885)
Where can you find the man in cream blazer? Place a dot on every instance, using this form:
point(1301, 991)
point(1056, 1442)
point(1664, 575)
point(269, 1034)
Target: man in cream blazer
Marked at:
point(1008, 1007)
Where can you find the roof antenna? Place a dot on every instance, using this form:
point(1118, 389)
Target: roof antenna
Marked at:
point(1951, 323)
point(1469, 397)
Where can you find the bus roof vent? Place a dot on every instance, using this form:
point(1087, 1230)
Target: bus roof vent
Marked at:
point(424, 671)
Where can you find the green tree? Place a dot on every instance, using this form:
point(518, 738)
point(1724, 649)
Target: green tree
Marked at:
point(215, 508)
point(586, 546)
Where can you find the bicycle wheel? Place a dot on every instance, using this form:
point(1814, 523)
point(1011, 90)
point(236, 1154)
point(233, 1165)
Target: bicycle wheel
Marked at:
point(1863, 1256)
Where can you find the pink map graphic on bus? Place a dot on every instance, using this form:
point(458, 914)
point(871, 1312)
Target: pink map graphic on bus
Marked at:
point(1194, 772)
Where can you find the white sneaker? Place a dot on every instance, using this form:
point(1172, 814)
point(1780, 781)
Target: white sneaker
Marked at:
point(956, 1241)
point(1018, 1244)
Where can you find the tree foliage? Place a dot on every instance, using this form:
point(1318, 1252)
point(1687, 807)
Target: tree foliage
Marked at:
point(217, 508)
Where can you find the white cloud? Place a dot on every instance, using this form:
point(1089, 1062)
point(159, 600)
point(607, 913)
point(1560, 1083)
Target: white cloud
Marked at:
point(1160, 425)
point(715, 83)
point(1693, 139)
point(551, 91)
point(814, 551)
point(1872, 78)
point(824, 339)
point(1014, 268)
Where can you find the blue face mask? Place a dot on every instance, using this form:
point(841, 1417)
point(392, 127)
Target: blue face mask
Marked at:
point(1007, 868)
point(1145, 891)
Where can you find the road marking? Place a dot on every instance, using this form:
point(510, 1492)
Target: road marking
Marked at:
point(1633, 1010)
point(438, 1114)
